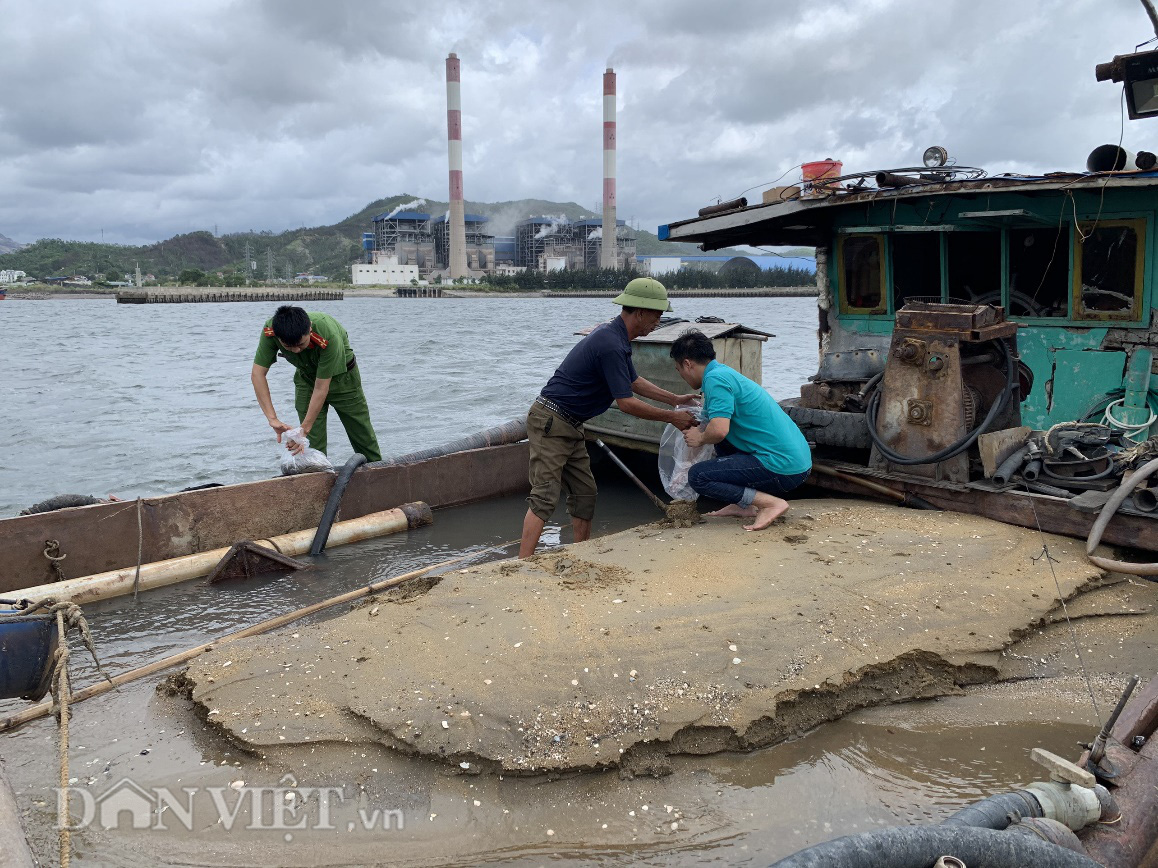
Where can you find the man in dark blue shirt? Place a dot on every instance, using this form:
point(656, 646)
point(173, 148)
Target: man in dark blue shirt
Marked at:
point(597, 372)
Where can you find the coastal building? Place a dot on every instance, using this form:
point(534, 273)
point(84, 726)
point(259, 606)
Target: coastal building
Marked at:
point(11, 275)
point(553, 243)
point(385, 270)
point(480, 247)
point(403, 238)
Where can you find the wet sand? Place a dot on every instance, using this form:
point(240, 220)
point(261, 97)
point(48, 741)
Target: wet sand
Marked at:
point(626, 650)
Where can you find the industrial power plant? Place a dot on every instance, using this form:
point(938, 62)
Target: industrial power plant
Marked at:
point(411, 245)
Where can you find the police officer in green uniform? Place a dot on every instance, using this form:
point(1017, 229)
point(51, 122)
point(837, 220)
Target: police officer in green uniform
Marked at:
point(327, 375)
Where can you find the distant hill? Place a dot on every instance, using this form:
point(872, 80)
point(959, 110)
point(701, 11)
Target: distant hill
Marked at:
point(7, 245)
point(326, 250)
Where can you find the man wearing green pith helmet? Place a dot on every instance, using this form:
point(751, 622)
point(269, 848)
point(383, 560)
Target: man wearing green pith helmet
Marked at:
point(597, 372)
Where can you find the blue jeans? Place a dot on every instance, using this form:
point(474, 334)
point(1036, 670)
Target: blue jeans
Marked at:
point(735, 477)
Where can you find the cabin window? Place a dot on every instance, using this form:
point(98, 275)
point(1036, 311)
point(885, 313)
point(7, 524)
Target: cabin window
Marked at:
point(974, 266)
point(1108, 266)
point(1039, 265)
point(916, 267)
point(862, 268)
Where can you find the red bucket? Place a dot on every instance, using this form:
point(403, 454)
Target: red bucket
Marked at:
point(821, 170)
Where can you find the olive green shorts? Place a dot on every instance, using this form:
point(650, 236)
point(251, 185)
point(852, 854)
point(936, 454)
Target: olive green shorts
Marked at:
point(559, 460)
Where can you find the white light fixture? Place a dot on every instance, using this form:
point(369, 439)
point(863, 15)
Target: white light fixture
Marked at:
point(935, 157)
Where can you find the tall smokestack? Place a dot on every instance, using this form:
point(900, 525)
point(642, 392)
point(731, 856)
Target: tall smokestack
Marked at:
point(454, 150)
point(609, 246)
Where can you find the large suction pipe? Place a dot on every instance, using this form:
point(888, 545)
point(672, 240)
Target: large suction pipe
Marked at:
point(608, 250)
point(457, 228)
point(1111, 158)
point(921, 846)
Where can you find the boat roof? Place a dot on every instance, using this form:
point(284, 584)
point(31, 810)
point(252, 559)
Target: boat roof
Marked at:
point(808, 221)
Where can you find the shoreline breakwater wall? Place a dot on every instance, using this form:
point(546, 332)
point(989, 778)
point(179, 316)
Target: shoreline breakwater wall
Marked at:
point(187, 296)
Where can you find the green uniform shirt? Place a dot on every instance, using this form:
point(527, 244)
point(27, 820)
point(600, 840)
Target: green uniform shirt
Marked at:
point(315, 362)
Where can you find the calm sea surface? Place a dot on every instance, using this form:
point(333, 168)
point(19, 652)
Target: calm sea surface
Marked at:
point(139, 400)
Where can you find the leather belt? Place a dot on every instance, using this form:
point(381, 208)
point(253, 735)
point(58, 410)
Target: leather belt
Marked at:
point(559, 411)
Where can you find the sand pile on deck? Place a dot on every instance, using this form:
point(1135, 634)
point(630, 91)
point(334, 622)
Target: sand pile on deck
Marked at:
point(654, 641)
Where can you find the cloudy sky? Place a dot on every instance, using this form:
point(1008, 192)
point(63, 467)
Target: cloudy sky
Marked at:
point(145, 119)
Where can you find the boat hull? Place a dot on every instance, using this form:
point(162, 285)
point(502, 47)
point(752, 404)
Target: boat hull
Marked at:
point(104, 537)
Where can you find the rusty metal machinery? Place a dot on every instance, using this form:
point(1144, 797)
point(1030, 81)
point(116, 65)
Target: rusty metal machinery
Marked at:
point(951, 375)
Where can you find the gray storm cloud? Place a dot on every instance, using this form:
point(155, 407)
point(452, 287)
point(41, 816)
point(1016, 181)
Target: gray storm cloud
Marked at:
point(146, 119)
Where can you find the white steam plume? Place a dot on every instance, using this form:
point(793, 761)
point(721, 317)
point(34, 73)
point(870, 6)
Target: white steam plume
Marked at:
point(552, 227)
point(405, 206)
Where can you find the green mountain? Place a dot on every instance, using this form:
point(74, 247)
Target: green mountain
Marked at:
point(327, 250)
point(7, 245)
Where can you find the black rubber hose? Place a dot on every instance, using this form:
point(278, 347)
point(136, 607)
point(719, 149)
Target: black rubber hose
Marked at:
point(334, 501)
point(961, 445)
point(1010, 466)
point(1051, 490)
point(921, 846)
point(993, 812)
point(509, 432)
point(1101, 474)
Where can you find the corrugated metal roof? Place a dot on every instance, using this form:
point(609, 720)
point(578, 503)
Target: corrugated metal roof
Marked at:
point(467, 218)
point(403, 215)
point(597, 221)
point(793, 217)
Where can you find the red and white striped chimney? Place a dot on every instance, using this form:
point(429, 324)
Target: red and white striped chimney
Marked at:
point(608, 247)
point(454, 150)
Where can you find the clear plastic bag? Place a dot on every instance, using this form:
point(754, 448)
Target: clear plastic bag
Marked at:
point(676, 459)
point(309, 460)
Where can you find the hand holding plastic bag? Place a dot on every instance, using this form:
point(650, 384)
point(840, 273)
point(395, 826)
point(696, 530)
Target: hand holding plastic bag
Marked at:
point(676, 459)
point(309, 460)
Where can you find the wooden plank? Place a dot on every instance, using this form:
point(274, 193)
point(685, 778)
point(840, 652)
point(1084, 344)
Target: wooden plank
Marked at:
point(996, 446)
point(1023, 509)
point(1140, 716)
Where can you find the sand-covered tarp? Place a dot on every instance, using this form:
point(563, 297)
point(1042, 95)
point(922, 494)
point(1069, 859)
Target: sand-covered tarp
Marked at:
point(629, 648)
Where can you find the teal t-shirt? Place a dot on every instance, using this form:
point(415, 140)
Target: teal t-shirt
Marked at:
point(758, 424)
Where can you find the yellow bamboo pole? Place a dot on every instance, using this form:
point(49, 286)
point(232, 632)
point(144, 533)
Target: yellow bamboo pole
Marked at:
point(114, 583)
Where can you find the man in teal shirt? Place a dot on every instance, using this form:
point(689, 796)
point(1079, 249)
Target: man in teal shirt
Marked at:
point(760, 453)
point(327, 376)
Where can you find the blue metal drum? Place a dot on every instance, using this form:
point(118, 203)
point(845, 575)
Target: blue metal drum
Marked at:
point(27, 644)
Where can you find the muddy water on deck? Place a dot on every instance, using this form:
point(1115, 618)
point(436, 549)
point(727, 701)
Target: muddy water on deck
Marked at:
point(874, 768)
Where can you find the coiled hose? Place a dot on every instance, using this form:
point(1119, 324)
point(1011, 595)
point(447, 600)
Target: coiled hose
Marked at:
point(965, 442)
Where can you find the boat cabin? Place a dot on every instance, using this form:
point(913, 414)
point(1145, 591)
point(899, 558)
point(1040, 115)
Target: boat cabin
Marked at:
point(1070, 257)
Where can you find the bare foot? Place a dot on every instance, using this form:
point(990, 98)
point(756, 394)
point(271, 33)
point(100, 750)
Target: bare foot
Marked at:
point(767, 515)
point(734, 510)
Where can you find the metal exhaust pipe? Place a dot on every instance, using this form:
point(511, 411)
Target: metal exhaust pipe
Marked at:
point(1111, 158)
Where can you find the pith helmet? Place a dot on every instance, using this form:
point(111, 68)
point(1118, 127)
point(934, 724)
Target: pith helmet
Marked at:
point(644, 292)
